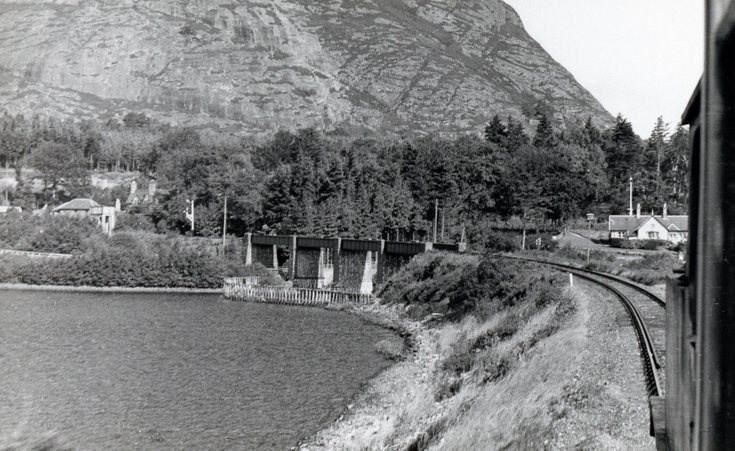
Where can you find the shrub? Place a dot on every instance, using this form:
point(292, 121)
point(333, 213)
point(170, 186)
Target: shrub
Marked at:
point(131, 222)
point(124, 260)
point(653, 268)
point(430, 283)
point(448, 386)
point(652, 245)
point(46, 233)
point(505, 330)
point(547, 243)
point(13, 227)
point(638, 244)
point(495, 241)
point(493, 366)
point(266, 276)
point(455, 285)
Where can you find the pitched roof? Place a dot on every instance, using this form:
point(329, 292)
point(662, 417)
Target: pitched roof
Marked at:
point(77, 204)
point(679, 222)
point(630, 223)
point(625, 222)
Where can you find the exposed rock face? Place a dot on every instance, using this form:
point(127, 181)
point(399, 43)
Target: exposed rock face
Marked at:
point(398, 66)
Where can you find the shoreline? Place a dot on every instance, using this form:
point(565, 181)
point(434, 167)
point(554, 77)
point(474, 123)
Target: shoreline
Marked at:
point(91, 289)
point(359, 410)
point(358, 402)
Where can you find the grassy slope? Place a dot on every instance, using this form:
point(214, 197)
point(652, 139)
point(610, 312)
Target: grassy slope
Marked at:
point(518, 412)
point(455, 394)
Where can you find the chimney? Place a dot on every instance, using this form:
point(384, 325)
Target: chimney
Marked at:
point(117, 205)
point(666, 211)
point(638, 211)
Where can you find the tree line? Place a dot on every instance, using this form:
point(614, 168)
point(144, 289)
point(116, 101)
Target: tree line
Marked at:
point(309, 182)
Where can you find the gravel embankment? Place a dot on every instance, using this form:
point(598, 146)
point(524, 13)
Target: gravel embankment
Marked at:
point(605, 403)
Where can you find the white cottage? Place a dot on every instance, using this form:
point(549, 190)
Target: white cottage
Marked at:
point(674, 229)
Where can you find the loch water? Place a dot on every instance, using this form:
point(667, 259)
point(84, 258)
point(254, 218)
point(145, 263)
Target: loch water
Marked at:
point(175, 371)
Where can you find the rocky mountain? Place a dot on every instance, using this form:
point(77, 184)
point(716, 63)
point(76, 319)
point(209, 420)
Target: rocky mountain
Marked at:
point(386, 66)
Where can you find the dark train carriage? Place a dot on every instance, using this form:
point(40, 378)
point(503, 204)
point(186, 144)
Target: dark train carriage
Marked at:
point(699, 402)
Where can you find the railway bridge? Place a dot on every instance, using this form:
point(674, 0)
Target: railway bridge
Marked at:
point(338, 263)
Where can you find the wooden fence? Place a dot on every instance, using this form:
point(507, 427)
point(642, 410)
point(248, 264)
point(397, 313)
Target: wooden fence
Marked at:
point(235, 283)
point(236, 289)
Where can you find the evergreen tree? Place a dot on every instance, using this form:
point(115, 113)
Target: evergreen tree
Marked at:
point(516, 135)
point(675, 167)
point(544, 137)
point(592, 135)
point(655, 149)
point(495, 131)
point(622, 151)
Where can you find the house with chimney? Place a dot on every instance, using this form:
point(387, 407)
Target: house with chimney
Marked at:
point(671, 228)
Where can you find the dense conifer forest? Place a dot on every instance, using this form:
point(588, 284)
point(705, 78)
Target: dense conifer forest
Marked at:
point(310, 182)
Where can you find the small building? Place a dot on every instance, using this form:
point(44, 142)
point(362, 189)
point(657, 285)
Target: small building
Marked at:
point(672, 228)
point(88, 208)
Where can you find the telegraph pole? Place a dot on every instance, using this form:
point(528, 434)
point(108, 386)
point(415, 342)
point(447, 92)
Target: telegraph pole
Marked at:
point(436, 214)
point(442, 224)
point(224, 227)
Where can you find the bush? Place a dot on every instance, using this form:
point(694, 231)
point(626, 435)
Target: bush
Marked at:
point(124, 260)
point(653, 245)
point(133, 222)
point(266, 276)
point(597, 257)
point(499, 242)
point(429, 281)
point(638, 244)
point(47, 233)
point(457, 285)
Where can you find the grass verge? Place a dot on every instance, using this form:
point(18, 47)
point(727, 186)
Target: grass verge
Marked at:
point(649, 269)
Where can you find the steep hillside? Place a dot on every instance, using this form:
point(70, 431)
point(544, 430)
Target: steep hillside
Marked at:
point(379, 65)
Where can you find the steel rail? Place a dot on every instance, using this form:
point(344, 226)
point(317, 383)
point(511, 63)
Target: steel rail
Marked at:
point(648, 352)
point(651, 363)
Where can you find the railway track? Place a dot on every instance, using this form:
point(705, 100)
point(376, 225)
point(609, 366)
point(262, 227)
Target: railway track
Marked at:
point(646, 310)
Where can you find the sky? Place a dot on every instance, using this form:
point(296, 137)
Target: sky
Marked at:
point(641, 58)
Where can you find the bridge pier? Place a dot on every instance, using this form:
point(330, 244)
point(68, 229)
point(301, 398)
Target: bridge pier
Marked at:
point(358, 264)
point(314, 262)
point(263, 249)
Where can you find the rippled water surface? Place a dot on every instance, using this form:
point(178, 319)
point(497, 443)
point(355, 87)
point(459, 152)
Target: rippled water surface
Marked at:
point(121, 371)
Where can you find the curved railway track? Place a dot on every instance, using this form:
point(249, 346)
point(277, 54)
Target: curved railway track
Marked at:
point(647, 313)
